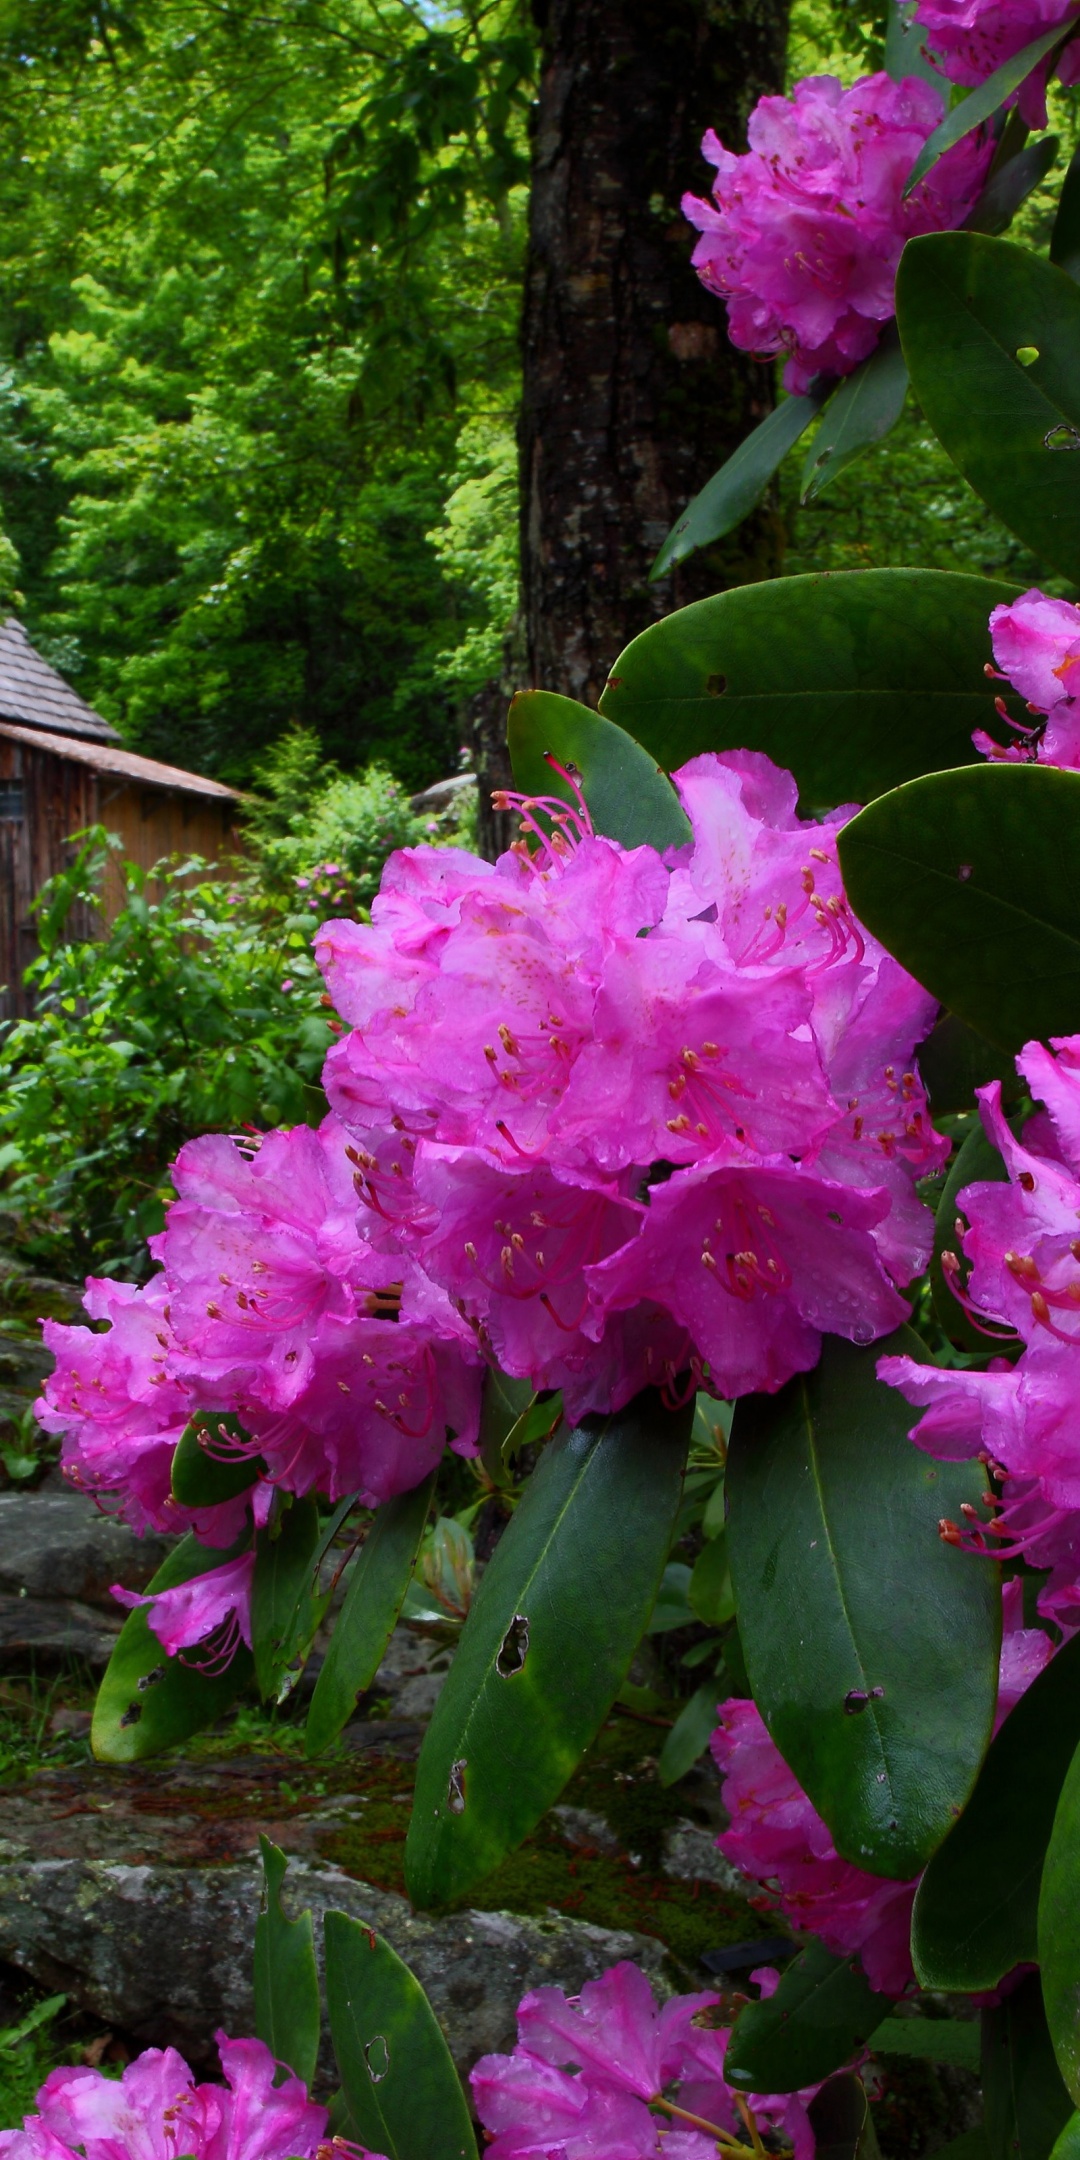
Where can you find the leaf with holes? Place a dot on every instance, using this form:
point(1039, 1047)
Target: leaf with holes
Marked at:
point(871, 1646)
point(1025, 2104)
point(288, 2013)
point(147, 1701)
point(629, 797)
point(380, 1577)
point(555, 1622)
point(976, 1909)
point(854, 680)
point(968, 878)
point(823, 2011)
point(988, 328)
point(732, 492)
point(401, 2089)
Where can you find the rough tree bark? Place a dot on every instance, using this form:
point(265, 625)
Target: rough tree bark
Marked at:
point(632, 395)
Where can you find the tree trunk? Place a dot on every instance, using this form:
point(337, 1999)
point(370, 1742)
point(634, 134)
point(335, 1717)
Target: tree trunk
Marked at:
point(632, 394)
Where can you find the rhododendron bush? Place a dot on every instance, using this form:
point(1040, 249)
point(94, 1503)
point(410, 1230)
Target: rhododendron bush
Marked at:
point(747, 1076)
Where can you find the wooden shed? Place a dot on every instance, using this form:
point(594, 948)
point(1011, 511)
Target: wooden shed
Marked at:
point(62, 768)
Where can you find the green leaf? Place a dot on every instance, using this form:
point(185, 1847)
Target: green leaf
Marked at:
point(880, 1700)
point(971, 2145)
point(201, 1480)
point(400, 2086)
point(977, 1160)
point(555, 1622)
point(288, 2014)
point(968, 307)
point(377, 1586)
point(941, 2040)
point(854, 680)
point(822, 2011)
point(954, 1061)
point(629, 797)
point(976, 1910)
point(968, 878)
point(284, 1609)
point(841, 2121)
point(1011, 185)
point(1026, 2105)
point(692, 1731)
point(1065, 237)
point(710, 1593)
point(42, 2013)
point(504, 1402)
point(860, 413)
point(974, 109)
point(732, 492)
point(1059, 1923)
point(904, 53)
point(672, 1608)
point(1068, 2144)
point(147, 1701)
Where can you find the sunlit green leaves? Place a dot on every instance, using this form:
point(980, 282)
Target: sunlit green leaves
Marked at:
point(968, 878)
point(147, 1701)
point(554, 1624)
point(972, 312)
point(871, 1645)
point(854, 680)
point(629, 798)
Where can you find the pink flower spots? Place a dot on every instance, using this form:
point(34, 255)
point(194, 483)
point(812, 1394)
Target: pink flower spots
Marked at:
point(211, 1611)
point(1036, 643)
point(156, 2111)
point(804, 231)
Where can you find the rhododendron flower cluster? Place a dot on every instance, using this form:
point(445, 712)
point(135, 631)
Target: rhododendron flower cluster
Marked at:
point(970, 39)
point(638, 1118)
point(805, 230)
point(609, 2076)
point(1021, 1241)
point(156, 2111)
point(1036, 643)
point(778, 1839)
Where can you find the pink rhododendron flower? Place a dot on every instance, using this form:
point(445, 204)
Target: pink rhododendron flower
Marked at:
point(1023, 1289)
point(1036, 643)
point(212, 1610)
point(586, 2072)
point(970, 39)
point(638, 1119)
point(156, 2111)
point(121, 1408)
point(804, 231)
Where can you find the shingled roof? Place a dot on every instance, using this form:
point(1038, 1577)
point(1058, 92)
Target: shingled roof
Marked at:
point(33, 693)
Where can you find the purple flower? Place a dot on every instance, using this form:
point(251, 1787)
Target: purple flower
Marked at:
point(211, 1610)
point(971, 39)
point(805, 230)
point(156, 2111)
point(1036, 643)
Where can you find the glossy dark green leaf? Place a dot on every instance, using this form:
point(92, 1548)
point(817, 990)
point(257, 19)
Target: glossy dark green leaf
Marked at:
point(691, 1733)
point(147, 1701)
point(288, 2012)
point(284, 1608)
point(629, 797)
point(980, 104)
point(854, 680)
point(1068, 2144)
point(557, 1617)
point(940, 2040)
point(710, 1593)
point(401, 2089)
point(954, 1061)
point(841, 2121)
point(976, 1910)
point(1059, 1925)
point(975, 1162)
point(731, 494)
point(823, 2011)
point(968, 878)
point(969, 307)
point(871, 1646)
point(200, 1479)
point(860, 413)
point(504, 1403)
point(1025, 2103)
point(1011, 185)
point(1065, 237)
point(672, 1608)
point(377, 1586)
